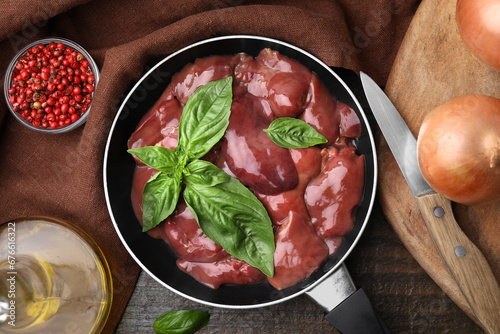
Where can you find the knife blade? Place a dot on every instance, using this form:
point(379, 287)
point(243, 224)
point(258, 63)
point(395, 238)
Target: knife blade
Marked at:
point(465, 262)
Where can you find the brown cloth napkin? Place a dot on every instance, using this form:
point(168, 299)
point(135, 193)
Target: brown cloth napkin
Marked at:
point(61, 175)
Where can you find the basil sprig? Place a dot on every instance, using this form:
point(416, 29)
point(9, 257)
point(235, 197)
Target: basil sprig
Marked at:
point(181, 322)
point(290, 132)
point(226, 211)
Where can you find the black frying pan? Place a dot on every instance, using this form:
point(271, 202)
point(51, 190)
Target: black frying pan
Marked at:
point(156, 257)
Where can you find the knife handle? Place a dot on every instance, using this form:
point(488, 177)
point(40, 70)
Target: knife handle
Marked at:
point(465, 262)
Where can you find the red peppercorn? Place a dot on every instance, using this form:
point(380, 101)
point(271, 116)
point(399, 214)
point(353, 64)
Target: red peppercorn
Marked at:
point(24, 74)
point(52, 85)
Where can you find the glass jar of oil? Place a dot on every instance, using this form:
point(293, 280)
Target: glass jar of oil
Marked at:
point(53, 279)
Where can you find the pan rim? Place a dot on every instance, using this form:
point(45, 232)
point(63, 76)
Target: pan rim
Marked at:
point(371, 195)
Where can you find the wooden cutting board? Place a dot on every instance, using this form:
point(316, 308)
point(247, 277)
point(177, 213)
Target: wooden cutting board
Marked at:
point(432, 67)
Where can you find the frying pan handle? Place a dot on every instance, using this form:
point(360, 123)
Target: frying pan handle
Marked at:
point(348, 310)
point(356, 315)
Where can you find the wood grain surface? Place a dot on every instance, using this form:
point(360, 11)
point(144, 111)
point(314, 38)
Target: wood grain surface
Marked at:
point(433, 66)
point(407, 299)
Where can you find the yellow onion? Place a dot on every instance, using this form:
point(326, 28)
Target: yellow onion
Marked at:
point(478, 22)
point(458, 149)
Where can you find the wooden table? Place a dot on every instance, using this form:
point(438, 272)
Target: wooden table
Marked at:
point(404, 295)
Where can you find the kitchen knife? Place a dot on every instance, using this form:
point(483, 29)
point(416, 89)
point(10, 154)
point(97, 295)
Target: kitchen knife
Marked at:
point(465, 262)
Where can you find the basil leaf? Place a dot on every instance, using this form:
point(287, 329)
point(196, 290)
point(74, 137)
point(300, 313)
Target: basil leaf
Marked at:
point(204, 173)
point(159, 199)
point(205, 117)
point(158, 157)
point(181, 322)
point(290, 132)
point(231, 216)
point(227, 212)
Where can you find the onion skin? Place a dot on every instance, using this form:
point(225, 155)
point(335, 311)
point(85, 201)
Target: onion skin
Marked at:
point(478, 22)
point(458, 149)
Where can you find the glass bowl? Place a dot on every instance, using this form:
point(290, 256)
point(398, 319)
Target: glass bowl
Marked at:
point(8, 83)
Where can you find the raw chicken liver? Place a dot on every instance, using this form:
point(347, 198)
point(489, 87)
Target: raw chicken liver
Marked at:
point(310, 193)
